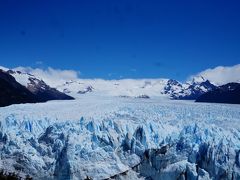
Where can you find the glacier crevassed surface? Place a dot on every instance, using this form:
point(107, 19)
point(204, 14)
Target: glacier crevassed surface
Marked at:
point(108, 137)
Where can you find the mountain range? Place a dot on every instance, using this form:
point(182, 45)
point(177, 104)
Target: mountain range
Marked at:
point(22, 87)
point(139, 87)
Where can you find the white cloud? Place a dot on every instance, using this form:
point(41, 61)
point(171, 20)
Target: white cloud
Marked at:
point(53, 77)
point(219, 75)
point(4, 68)
point(222, 74)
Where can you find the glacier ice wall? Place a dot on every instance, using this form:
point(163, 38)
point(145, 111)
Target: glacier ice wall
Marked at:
point(118, 139)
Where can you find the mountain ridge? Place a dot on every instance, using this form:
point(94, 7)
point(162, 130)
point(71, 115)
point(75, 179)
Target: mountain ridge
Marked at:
point(38, 87)
point(228, 93)
point(13, 92)
point(133, 88)
point(169, 88)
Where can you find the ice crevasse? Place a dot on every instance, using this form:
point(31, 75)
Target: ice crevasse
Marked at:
point(133, 139)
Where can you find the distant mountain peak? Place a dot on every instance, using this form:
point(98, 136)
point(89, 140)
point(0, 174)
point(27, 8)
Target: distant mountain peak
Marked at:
point(196, 80)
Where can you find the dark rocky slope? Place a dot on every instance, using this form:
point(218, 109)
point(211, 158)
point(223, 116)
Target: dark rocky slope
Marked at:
point(229, 93)
point(40, 89)
point(11, 92)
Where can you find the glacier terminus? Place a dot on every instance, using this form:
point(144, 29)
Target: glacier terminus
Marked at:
point(106, 137)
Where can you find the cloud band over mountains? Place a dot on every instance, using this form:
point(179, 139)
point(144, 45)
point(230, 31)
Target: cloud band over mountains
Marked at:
point(222, 74)
point(50, 75)
point(219, 75)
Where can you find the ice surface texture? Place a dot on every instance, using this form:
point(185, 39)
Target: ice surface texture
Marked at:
point(120, 138)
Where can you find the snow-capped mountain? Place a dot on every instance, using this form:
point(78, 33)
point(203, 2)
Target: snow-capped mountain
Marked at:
point(135, 88)
point(125, 87)
point(38, 87)
point(18, 87)
point(11, 92)
point(168, 88)
point(195, 88)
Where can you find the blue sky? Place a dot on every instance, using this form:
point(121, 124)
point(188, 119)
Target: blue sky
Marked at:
point(114, 39)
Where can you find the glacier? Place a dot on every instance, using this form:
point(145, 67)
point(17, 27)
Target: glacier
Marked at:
point(104, 137)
